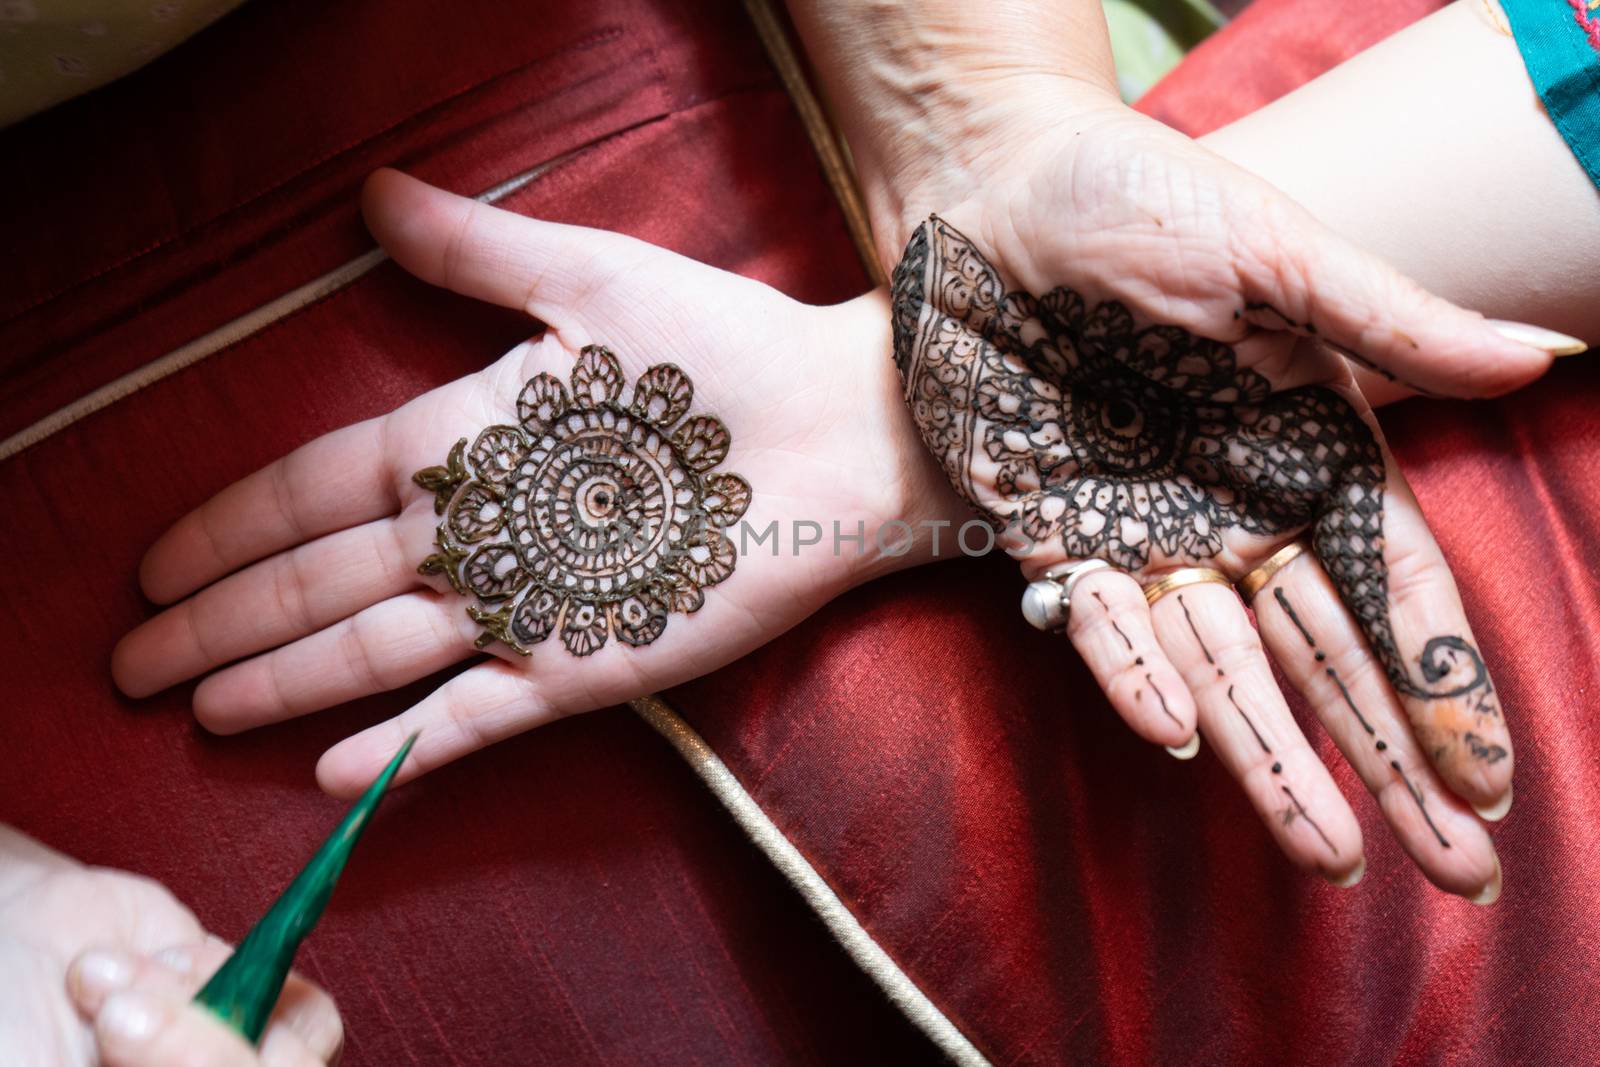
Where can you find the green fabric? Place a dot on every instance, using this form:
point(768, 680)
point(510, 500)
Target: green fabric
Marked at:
point(1149, 37)
point(53, 50)
point(1563, 59)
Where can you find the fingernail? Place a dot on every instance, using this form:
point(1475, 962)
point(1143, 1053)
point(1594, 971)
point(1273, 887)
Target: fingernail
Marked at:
point(129, 1017)
point(1496, 811)
point(1491, 892)
point(1349, 881)
point(103, 973)
point(1188, 749)
point(175, 959)
point(1557, 344)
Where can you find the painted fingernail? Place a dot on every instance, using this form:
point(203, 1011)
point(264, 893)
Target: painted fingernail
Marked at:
point(1188, 749)
point(1349, 881)
point(131, 1017)
point(1557, 344)
point(102, 973)
point(1491, 892)
point(1496, 811)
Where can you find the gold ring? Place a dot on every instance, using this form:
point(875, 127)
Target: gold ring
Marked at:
point(1178, 579)
point(1256, 580)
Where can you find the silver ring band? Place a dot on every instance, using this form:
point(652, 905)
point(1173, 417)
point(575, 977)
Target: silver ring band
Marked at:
point(1047, 603)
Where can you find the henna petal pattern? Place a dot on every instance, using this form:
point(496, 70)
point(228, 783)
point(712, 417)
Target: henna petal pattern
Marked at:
point(662, 395)
point(638, 620)
point(709, 559)
point(727, 499)
point(492, 573)
point(584, 628)
point(535, 616)
point(497, 451)
point(542, 401)
point(596, 378)
point(477, 513)
point(702, 441)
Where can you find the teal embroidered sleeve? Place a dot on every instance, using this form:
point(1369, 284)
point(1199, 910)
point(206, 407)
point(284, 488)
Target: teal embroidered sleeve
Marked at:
point(1560, 43)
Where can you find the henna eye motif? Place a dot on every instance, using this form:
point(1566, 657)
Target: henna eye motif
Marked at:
point(592, 517)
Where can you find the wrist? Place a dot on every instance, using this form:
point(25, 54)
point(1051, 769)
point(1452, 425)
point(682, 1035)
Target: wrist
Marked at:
point(997, 130)
point(908, 511)
point(934, 98)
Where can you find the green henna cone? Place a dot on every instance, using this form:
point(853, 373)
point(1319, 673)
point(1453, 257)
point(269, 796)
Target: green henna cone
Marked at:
point(243, 992)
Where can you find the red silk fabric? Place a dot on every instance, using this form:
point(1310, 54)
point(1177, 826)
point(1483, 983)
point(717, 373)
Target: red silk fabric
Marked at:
point(1062, 891)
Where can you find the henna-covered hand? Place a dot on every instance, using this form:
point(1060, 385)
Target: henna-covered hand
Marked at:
point(1084, 429)
point(577, 508)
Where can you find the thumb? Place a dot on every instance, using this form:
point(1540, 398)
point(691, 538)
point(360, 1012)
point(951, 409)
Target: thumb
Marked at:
point(481, 251)
point(149, 1028)
point(1313, 282)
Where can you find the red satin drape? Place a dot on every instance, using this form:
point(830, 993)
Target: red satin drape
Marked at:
point(1064, 892)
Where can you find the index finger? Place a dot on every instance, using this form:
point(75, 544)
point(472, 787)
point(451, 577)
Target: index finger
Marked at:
point(1390, 573)
point(336, 481)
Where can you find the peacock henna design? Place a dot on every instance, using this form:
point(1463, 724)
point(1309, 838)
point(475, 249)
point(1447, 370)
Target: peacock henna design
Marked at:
point(1066, 421)
point(590, 517)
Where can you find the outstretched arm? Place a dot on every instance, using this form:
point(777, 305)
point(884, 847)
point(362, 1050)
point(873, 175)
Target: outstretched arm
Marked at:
point(1432, 150)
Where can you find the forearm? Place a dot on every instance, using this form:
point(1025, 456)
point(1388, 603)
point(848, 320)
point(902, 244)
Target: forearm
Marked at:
point(1432, 150)
point(929, 94)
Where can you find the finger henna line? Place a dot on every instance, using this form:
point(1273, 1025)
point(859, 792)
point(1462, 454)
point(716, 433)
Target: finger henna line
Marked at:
point(1299, 810)
point(590, 517)
point(1251, 723)
point(1113, 622)
point(1195, 630)
point(1309, 328)
point(1344, 691)
point(1416, 795)
point(1151, 682)
point(1351, 704)
point(1283, 602)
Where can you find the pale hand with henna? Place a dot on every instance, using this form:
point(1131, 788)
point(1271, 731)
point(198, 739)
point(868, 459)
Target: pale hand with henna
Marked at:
point(98, 967)
point(599, 493)
point(1125, 345)
point(1086, 431)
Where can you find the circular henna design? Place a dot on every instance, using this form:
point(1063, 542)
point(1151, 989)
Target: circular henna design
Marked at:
point(1071, 422)
point(592, 518)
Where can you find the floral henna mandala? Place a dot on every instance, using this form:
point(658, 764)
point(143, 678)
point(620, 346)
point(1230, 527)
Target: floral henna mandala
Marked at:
point(1061, 420)
point(591, 517)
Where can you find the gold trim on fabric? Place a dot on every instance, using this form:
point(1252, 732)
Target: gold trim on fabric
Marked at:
point(835, 915)
point(241, 328)
point(825, 141)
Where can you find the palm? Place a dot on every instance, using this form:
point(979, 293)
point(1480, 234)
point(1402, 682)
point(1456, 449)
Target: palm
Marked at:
point(1105, 352)
point(618, 520)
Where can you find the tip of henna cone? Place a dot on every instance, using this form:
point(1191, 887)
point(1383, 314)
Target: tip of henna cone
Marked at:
point(1496, 811)
point(1557, 344)
point(1188, 750)
point(1350, 880)
point(1491, 892)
